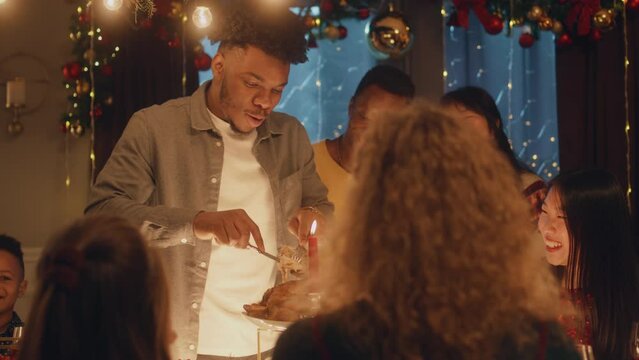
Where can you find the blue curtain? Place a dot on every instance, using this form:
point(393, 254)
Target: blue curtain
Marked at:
point(522, 82)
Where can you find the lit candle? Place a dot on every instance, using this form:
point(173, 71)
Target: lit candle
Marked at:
point(16, 92)
point(313, 258)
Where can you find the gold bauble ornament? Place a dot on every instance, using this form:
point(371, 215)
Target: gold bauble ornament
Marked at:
point(331, 32)
point(557, 27)
point(604, 19)
point(176, 9)
point(343, 3)
point(545, 23)
point(535, 13)
point(15, 128)
point(89, 55)
point(309, 21)
point(76, 129)
point(389, 35)
point(82, 87)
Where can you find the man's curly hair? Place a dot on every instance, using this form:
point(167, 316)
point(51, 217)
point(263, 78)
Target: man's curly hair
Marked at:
point(276, 31)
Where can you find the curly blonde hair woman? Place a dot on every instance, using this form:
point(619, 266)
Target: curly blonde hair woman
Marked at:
point(435, 258)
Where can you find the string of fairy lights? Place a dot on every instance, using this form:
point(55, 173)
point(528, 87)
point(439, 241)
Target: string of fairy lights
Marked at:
point(509, 86)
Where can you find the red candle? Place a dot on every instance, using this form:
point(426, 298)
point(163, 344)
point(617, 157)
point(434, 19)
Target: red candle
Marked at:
point(313, 256)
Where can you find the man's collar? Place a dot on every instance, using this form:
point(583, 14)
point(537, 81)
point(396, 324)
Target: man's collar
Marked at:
point(200, 119)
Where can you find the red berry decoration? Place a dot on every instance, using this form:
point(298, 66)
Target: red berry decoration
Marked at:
point(495, 25)
point(97, 112)
point(343, 31)
point(202, 61)
point(632, 5)
point(564, 40)
point(364, 13)
point(526, 40)
point(107, 70)
point(595, 35)
point(326, 6)
point(71, 70)
point(174, 43)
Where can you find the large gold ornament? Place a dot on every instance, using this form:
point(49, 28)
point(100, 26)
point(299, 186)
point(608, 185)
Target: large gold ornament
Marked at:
point(604, 19)
point(82, 87)
point(545, 23)
point(535, 13)
point(557, 27)
point(389, 35)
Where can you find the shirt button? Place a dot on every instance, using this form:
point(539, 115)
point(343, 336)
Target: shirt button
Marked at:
point(191, 347)
point(218, 144)
point(183, 241)
point(214, 180)
point(194, 305)
point(203, 265)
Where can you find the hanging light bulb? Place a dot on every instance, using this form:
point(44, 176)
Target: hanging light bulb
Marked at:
point(113, 5)
point(2, 1)
point(202, 17)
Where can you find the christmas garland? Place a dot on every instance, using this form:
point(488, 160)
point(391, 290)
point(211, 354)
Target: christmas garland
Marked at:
point(568, 19)
point(88, 76)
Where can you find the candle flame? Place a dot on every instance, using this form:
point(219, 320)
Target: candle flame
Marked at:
point(313, 227)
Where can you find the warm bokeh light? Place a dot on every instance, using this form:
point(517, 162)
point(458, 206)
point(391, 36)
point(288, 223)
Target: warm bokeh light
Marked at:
point(202, 17)
point(113, 5)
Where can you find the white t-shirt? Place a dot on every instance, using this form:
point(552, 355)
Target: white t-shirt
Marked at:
point(238, 276)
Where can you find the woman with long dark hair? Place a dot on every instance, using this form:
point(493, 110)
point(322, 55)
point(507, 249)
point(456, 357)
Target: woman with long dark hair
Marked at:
point(586, 227)
point(474, 106)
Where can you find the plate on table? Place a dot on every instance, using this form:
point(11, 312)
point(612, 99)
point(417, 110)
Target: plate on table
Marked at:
point(267, 324)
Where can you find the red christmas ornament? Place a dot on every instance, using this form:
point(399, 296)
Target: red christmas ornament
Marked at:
point(97, 112)
point(71, 70)
point(343, 31)
point(364, 13)
point(202, 61)
point(632, 5)
point(526, 40)
point(494, 26)
point(326, 6)
point(564, 40)
point(595, 35)
point(107, 70)
point(162, 34)
point(174, 43)
point(146, 24)
point(84, 18)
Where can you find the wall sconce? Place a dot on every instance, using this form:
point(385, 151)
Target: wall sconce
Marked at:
point(18, 72)
point(16, 101)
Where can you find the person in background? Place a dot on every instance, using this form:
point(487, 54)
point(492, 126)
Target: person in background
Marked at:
point(383, 88)
point(101, 295)
point(477, 108)
point(585, 223)
point(209, 174)
point(433, 259)
point(12, 286)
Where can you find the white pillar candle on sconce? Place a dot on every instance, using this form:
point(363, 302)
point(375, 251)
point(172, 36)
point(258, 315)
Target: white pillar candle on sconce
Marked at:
point(16, 92)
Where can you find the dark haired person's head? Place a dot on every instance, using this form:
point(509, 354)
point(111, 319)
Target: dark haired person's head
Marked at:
point(476, 107)
point(102, 294)
point(585, 223)
point(251, 67)
point(383, 88)
point(12, 282)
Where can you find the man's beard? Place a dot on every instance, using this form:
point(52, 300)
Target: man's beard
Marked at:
point(225, 100)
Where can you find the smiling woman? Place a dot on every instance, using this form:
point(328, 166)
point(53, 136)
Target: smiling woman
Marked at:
point(12, 286)
point(585, 223)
